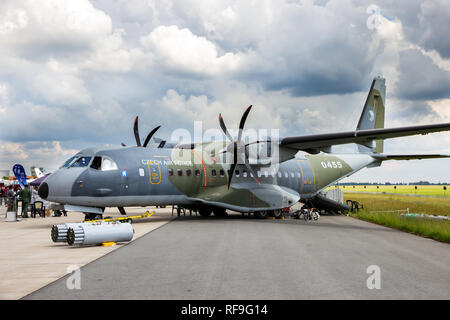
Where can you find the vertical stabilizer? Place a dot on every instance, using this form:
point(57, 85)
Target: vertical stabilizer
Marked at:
point(372, 116)
point(37, 172)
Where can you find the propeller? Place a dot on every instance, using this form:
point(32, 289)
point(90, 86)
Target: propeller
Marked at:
point(237, 147)
point(136, 134)
point(150, 135)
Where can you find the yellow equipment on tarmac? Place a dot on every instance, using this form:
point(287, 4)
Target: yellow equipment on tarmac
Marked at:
point(128, 219)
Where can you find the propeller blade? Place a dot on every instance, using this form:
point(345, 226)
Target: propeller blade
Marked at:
point(136, 132)
point(247, 164)
point(150, 135)
point(224, 128)
point(242, 123)
point(231, 173)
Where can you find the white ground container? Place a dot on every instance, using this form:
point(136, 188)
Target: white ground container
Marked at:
point(59, 231)
point(87, 234)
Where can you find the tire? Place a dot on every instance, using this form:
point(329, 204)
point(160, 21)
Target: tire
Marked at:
point(205, 212)
point(261, 214)
point(278, 214)
point(98, 217)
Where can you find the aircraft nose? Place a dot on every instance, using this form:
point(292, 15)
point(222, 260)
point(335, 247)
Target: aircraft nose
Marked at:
point(43, 190)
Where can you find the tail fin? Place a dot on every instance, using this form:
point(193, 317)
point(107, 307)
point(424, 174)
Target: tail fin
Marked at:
point(372, 116)
point(36, 172)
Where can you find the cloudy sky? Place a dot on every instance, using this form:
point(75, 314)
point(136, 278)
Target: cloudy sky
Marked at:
point(74, 74)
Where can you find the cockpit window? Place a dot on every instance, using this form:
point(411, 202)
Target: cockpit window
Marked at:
point(104, 164)
point(69, 162)
point(81, 162)
point(108, 164)
point(96, 163)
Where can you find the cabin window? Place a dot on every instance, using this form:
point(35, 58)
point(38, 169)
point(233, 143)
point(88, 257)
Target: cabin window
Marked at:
point(259, 174)
point(141, 172)
point(180, 172)
point(280, 175)
point(197, 173)
point(237, 173)
point(292, 175)
point(222, 173)
point(299, 175)
point(188, 172)
point(213, 172)
point(266, 174)
point(244, 173)
point(170, 172)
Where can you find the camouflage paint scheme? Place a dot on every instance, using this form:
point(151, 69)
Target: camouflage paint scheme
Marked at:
point(90, 187)
point(185, 176)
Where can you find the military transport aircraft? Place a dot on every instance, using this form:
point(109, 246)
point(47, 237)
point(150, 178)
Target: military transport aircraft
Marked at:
point(259, 177)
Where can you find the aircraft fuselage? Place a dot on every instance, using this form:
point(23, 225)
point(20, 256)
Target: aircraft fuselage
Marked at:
point(192, 177)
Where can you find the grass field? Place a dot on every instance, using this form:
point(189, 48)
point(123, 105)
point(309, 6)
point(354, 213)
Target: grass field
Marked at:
point(435, 229)
point(400, 189)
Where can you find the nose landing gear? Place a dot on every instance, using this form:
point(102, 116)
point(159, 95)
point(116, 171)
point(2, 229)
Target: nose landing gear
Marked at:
point(93, 216)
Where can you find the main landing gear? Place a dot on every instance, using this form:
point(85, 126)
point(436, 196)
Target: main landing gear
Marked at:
point(206, 212)
point(278, 214)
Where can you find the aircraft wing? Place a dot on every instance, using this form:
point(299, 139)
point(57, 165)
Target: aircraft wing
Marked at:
point(385, 157)
point(316, 142)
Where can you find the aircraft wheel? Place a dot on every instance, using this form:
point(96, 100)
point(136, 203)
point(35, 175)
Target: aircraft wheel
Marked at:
point(98, 216)
point(278, 214)
point(88, 216)
point(205, 212)
point(261, 214)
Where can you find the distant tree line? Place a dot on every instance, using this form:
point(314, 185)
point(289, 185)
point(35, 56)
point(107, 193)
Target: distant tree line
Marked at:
point(419, 183)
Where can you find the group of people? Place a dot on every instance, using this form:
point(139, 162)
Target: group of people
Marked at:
point(14, 193)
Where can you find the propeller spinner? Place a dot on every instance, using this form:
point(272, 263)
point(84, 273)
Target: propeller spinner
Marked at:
point(237, 147)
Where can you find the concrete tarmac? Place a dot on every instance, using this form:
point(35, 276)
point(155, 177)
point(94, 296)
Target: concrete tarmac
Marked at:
point(244, 258)
point(30, 260)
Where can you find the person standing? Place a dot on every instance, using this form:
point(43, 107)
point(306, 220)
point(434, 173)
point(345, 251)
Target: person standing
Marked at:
point(1, 195)
point(25, 194)
point(10, 198)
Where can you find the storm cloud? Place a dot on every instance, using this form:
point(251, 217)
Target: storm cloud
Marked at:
point(76, 73)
